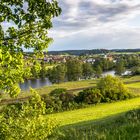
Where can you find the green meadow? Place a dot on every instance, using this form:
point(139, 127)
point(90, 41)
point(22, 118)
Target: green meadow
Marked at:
point(110, 121)
point(95, 112)
point(134, 85)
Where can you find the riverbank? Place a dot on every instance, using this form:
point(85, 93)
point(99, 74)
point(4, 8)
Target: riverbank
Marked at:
point(41, 82)
point(131, 82)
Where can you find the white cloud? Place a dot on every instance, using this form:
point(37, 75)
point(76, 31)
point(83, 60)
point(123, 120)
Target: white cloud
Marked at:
point(102, 21)
point(94, 18)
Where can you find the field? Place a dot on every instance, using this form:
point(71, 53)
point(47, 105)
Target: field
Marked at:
point(73, 86)
point(78, 85)
point(92, 113)
point(134, 85)
point(131, 79)
point(101, 122)
point(119, 127)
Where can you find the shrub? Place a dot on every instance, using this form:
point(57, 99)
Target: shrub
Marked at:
point(112, 88)
point(56, 92)
point(52, 104)
point(49, 103)
point(60, 99)
point(26, 121)
point(89, 96)
point(67, 100)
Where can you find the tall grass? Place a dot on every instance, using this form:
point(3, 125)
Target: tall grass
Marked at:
point(125, 126)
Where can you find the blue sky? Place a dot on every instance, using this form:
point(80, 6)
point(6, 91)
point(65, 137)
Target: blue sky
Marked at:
point(94, 24)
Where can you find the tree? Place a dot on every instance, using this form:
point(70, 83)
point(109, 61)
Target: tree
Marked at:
point(57, 74)
point(132, 61)
point(35, 69)
point(30, 21)
point(74, 69)
point(60, 73)
point(43, 70)
point(135, 70)
point(87, 70)
point(98, 71)
point(107, 64)
point(120, 69)
point(25, 121)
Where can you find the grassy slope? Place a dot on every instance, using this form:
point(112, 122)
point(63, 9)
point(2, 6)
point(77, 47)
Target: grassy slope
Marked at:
point(95, 112)
point(118, 127)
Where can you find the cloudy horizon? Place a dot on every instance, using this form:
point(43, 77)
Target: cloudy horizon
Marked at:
point(97, 24)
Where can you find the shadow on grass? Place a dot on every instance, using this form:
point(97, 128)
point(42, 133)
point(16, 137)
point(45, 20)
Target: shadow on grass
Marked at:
point(84, 124)
point(123, 126)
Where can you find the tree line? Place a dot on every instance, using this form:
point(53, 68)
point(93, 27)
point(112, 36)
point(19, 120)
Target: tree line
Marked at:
point(75, 68)
point(91, 52)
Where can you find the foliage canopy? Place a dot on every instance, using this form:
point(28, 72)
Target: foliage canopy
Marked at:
point(112, 88)
point(28, 24)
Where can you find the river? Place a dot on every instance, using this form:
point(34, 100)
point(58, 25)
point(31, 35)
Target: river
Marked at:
point(37, 83)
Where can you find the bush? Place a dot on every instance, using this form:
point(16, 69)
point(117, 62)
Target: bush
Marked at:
point(67, 100)
point(112, 89)
point(56, 92)
point(108, 89)
point(59, 100)
point(26, 121)
point(89, 96)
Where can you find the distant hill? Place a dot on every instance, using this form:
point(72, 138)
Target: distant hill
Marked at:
point(89, 52)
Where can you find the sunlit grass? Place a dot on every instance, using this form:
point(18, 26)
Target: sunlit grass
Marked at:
point(134, 85)
point(131, 79)
point(95, 112)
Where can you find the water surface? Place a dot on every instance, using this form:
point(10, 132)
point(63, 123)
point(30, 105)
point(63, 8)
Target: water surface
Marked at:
point(35, 83)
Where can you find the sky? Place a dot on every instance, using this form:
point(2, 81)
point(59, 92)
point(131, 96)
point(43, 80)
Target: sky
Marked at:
point(96, 24)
